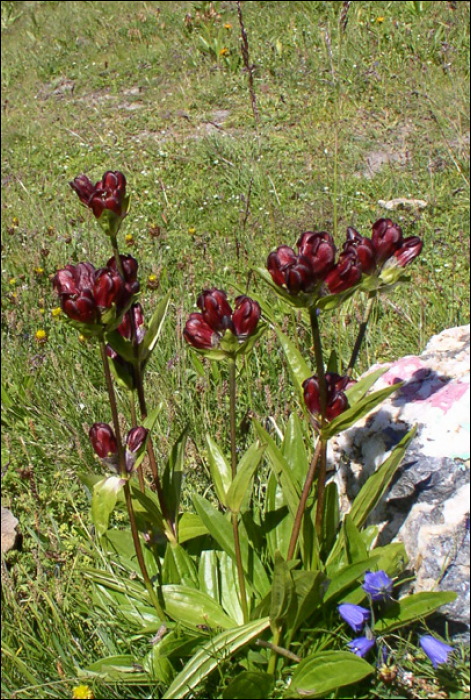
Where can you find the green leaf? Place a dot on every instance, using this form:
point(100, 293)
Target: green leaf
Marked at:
point(324, 673)
point(195, 609)
point(173, 476)
point(120, 546)
point(245, 473)
point(309, 588)
point(278, 522)
point(250, 685)
point(190, 528)
point(208, 573)
point(221, 472)
point(229, 587)
point(154, 330)
point(179, 567)
point(358, 411)
point(123, 347)
point(247, 347)
point(105, 496)
point(116, 668)
point(412, 609)
point(282, 593)
point(281, 468)
point(211, 655)
point(356, 548)
point(299, 369)
point(294, 450)
point(378, 483)
point(359, 390)
point(221, 530)
point(147, 509)
point(343, 580)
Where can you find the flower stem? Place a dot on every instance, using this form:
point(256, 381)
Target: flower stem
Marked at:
point(274, 651)
point(140, 471)
point(321, 489)
point(361, 333)
point(127, 490)
point(302, 503)
point(139, 382)
point(235, 516)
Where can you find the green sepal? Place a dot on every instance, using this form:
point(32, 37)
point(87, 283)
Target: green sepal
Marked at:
point(104, 499)
point(110, 222)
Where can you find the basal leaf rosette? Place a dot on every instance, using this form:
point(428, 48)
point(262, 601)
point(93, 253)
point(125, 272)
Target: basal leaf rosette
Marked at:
point(221, 333)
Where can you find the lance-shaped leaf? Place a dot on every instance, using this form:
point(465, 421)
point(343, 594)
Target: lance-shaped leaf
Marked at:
point(105, 496)
point(325, 672)
point(250, 685)
point(154, 329)
point(195, 609)
point(412, 609)
point(298, 367)
point(245, 473)
point(281, 469)
point(211, 655)
point(173, 476)
point(282, 593)
point(360, 389)
point(221, 473)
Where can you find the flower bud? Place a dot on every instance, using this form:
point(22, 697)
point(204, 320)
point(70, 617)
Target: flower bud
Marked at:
point(345, 274)
point(130, 267)
point(336, 399)
point(84, 188)
point(108, 289)
point(387, 238)
point(299, 277)
point(216, 310)
point(364, 249)
point(246, 316)
point(409, 250)
point(103, 440)
point(199, 334)
point(109, 194)
point(136, 438)
point(278, 261)
point(80, 308)
point(320, 249)
point(85, 276)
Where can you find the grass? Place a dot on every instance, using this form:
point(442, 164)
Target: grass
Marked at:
point(347, 119)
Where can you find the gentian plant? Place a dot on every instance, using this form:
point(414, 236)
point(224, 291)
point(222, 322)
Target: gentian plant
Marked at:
point(237, 574)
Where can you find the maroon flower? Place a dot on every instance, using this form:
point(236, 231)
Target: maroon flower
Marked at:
point(278, 261)
point(135, 441)
point(337, 401)
point(108, 289)
point(320, 250)
point(345, 274)
point(130, 267)
point(216, 310)
point(80, 307)
point(84, 188)
point(299, 277)
point(199, 334)
point(64, 281)
point(125, 328)
point(246, 316)
point(364, 249)
point(387, 239)
point(103, 440)
point(109, 193)
point(409, 250)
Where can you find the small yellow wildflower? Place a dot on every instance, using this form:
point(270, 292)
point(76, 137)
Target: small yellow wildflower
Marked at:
point(55, 313)
point(129, 239)
point(39, 271)
point(13, 282)
point(42, 311)
point(192, 231)
point(380, 20)
point(41, 336)
point(82, 338)
point(153, 282)
point(83, 692)
point(15, 222)
point(228, 26)
point(224, 51)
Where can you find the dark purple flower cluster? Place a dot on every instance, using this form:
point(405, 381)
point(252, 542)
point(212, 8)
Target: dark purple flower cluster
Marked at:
point(105, 445)
point(205, 330)
point(87, 294)
point(337, 401)
point(387, 243)
point(109, 193)
point(314, 264)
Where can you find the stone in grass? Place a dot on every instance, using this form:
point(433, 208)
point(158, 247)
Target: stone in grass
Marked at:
point(402, 203)
point(429, 503)
point(10, 536)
